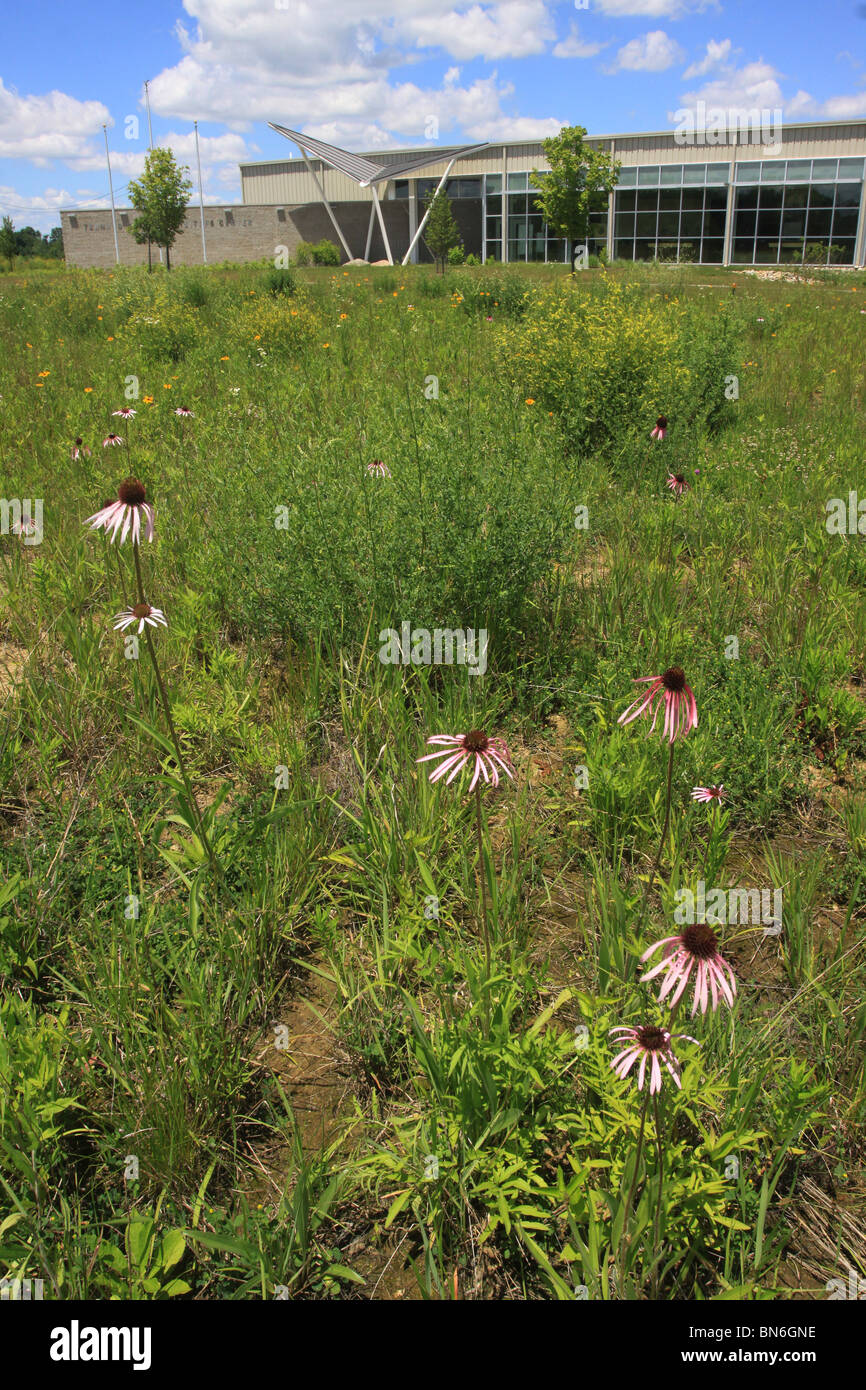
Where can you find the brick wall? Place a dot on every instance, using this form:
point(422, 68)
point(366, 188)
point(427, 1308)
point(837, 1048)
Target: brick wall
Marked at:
point(245, 232)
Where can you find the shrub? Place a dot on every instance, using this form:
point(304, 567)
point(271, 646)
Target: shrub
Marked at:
point(472, 259)
point(304, 253)
point(280, 281)
point(456, 256)
point(326, 253)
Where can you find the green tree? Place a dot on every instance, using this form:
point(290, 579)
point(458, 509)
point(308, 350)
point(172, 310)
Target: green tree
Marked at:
point(160, 198)
point(577, 184)
point(8, 246)
point(441, 231)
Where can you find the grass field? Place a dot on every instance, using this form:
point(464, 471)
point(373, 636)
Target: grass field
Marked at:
point(281, 1016)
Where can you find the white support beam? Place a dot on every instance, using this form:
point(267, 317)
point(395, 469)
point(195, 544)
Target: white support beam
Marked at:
point(313, 176)
point(423, 221)
point(378, 208)
point(370, 231)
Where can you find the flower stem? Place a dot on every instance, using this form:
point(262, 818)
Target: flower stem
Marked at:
point(481, 875)
point(629, 1199)
point(169, 721)
point(658, 1216)
point(658, 858)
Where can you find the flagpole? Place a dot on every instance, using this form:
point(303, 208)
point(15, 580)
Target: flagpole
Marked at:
point(111, 194)
point(200, 196)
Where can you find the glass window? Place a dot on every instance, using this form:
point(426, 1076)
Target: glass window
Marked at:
point(646, 224)
point(669, 224)
point(694, 173)
point(494, 205)
point(494, 183)
point(717, 199)
point(693, 199)
point(824, 168)
point(401, 188)
point(555, 250)
point(691, 224)
point(624, 224)
point(768, 224)
point(743, 250)
point(848, 195)
point(744, 224)
point(850, 168)
point(494, 228)
point(749, 171)
point(647, 202)
point(669, 200)
point(791, 251)
point(821, 195)
point(797, 196)
point(623, 250)
point(794, 222)
point(627, 178)
point(714, 224)
point(798, 170)
point(773, 171)
point(625, 201)
point(671, 174)
point(517, 203)
point(770, 197)
point(844, 222)
point(846, 251)
point(747, 198)
point(718, 173)
point(819, 223)
point(494, 248)
point(644, 249)
point(766, 250)
point(518, 180)
point(712, 250)
point(469, 188)
point(648, 177)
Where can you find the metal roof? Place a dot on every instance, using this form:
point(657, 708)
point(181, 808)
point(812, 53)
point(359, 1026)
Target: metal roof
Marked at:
point(363, 170)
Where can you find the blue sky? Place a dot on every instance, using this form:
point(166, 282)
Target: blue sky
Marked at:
point(374, 73)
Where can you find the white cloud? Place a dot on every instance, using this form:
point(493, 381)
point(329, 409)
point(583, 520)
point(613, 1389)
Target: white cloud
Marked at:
point(42, 128)
point(653, 52)
point(318, 68)
point(575, 47)
point(716, 55)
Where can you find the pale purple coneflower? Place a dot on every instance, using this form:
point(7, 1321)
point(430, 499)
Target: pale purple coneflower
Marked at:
point(648, 1043)
point(140, 613)
point(125, 412)
point(695, 947)
point(125, 513)
point(112, 440)
point(79, 450)
point(185, 413)
point(487, 755)
point(708, 793)
point(677, 483)
point(458, 749)
point(378, 469)
point(681, 711)
point(25, 527)
point(660, 429)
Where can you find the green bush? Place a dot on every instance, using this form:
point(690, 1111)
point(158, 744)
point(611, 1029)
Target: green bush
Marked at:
point(326, 253)
point(280, 281)
point(456, 256)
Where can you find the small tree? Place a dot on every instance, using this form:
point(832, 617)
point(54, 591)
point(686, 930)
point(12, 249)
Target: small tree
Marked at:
point(578, 184)
point(8, 245)
point(441, 231)
point(160, 197)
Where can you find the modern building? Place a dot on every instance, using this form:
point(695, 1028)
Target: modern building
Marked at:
point(713, 197)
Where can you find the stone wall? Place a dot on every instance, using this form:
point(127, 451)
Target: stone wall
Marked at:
point(244, 232)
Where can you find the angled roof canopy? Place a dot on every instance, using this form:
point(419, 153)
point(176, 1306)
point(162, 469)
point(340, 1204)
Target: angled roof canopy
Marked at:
point(364, 171)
